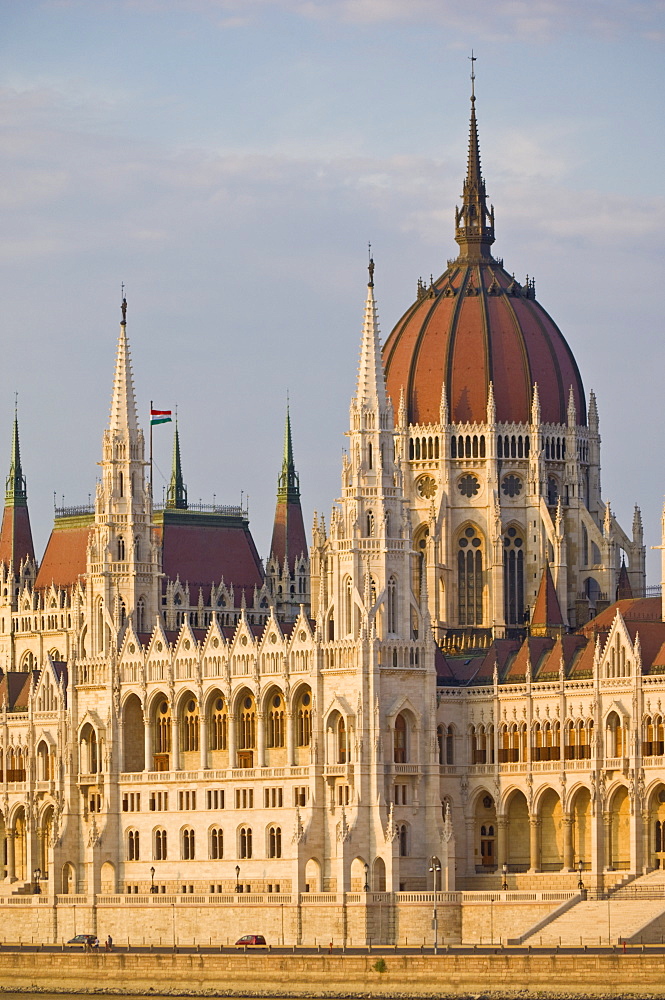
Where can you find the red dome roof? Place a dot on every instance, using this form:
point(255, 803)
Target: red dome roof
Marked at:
point(477, 325)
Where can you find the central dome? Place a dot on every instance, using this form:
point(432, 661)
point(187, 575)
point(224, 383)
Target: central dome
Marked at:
point(477, 325)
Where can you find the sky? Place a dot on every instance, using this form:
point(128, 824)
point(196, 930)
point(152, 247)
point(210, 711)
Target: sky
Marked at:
point(230, 160)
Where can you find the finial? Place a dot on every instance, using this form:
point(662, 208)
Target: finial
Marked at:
point(472, 59)
point(370, 266)
point(123, 307)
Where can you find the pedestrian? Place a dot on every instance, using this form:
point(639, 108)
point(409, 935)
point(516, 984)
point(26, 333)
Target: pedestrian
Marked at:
point(109, 943)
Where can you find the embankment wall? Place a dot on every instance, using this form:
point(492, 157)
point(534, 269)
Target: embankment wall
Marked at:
point(614, 974)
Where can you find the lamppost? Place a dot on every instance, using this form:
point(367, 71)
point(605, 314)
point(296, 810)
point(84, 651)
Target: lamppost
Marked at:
point(153, 887)
point(504, 884)
point(237, 878)
point(37, 874)
point(580, 868)
point(366, 885)
point(435, 868)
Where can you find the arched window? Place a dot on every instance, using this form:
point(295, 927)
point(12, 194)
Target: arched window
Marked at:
point(392, 605)
point(133, 851)
point(245, 846)
point(348, 606)
point(188, 847)
point(470, 578)
point(275, 735)
point(159, 850)
point(121, 484)
point(216, 843)
point(190, 726)
point(513, 577)
point(403, 837)
point(370, 524)
point(342, 751)
point(247, 724)
point(218, 725)
point(275, 842)
point(140, 615)
point(121, 549)
point(163, 728)
point(137, 548)
point(304, 720)
point(399, 740)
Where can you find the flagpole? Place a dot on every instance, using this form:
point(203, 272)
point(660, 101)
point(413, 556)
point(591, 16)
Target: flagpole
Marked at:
point(152, 499)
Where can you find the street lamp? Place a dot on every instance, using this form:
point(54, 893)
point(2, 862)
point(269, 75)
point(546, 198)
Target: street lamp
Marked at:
point(366, 885)
point(237, 878)
point(580, 867)
point(37, 874)
point(504, 884)
point(435, 869)
point(153, 887)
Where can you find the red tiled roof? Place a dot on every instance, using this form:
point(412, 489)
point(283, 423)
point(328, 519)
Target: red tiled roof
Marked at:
point(65, 557)
point(547, 610)
point(202, 554)
point(288, 533)
point(16, 536)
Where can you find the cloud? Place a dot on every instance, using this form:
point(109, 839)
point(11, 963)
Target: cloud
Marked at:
point(535, 20)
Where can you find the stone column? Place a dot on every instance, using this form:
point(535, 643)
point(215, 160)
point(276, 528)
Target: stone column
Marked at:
point(147, 743)
point(203, 742)
point(232, 735)
point(260, 740)
point(501, 854)
point(534, 844)
point(470, 846)
point(646, 854)
point(11, 855)
point(607, 840)
point(175, 745)
point(290, 740)
point(568, 860)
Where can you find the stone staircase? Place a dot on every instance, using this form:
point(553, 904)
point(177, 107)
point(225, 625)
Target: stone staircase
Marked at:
point(635, 912)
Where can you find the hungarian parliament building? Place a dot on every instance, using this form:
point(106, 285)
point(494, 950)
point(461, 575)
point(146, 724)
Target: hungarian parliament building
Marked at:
point(457, 681)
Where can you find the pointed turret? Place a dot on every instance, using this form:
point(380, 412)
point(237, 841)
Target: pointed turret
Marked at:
point(289, 542)
point(371, 386)
point(547, 618)
point(16, 534)
point(176, 495)
point(624, 589)
point(123, 404)
point(474, 222)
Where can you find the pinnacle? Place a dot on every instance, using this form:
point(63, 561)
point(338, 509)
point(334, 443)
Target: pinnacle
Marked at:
point(371, 385)
point(123, 404)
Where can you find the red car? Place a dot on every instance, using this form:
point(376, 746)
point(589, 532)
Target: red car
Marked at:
point(251, 941)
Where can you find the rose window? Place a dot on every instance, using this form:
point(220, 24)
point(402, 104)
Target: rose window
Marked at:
point(468, 485)
point(427, 487)
point(512, 486)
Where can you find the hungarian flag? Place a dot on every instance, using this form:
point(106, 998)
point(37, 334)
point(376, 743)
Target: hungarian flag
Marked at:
point(160, 417)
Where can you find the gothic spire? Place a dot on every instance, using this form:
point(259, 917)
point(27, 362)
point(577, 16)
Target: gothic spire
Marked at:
point(16, 493)
point(474, 222)
point(123, 405)
point(289, 541)
point(176, 495)
point(15, 533)
point(288, 485)
point(371, 386)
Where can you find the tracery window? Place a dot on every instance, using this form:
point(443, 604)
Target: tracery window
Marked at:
point(188, 845)
point(190, 727)
point(392, 606)
point(218, 725)
point(513, 577)
point(247, 725)
point(470, 578)
point(276, 722)
point(304, 720)
point(245, 845)
point(216, 843)
point(275, 842)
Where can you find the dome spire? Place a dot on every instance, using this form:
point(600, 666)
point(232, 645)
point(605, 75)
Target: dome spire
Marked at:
point(474, 222)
